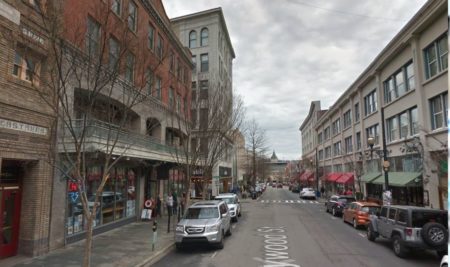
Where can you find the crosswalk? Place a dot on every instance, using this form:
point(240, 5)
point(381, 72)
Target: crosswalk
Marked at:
point(290, 201)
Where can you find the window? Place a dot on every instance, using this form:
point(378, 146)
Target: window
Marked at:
point(194, 85)
point(370, 103)
point(157, 92)
point(399, 83)
point(204, 63)
point(171, 62)
point(92, 37)
point(337, 148)
point(358, 140)
point(435, 57)
point(159, 46)
point(151, 37)
point(326, 133)
point(132, 16)
point(347, 118)
point(204, 85)
point(194, 62)
point(320, 154)
point(149, 81)
point(171, 99)
point(178, 103)
point(392, 129)
point(25, 68)
point(403, 125)
point(204, 37)
point(348, 145)
point(373, 132)
point(192, 39)
point(116, 7)
point(357, 112)
point(402, 216)
point(129, 68)
point(438, 111)
point(336, 126)
point(328, 152)
point(114, 49)
point(392, 212)
point(320, 137)
point(383, 212)
point(414, 121)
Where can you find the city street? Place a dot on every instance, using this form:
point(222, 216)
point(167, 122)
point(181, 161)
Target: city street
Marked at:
point(279, 229)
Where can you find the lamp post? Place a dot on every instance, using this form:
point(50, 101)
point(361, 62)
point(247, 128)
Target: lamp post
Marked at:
point(315, 164)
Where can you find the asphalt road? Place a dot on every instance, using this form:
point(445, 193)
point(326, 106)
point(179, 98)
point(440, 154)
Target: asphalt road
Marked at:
point(280, 230)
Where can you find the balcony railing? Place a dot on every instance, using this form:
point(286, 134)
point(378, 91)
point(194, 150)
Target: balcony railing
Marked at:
point(106, 133)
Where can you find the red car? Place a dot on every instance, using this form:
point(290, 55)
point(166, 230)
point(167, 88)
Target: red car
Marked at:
point(357, 213)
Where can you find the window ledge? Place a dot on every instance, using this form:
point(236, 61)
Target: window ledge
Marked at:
point(434, 77)
point(398, 141)
point(371, 114)
point(400, 97)
point(437, 131)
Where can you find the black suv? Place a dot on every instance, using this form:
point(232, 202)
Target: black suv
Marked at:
point(410, 227)
point(336, 204)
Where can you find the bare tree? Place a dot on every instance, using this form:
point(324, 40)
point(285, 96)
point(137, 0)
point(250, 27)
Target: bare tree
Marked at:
point(93, 82)
point(207, 140)
point(257, 144)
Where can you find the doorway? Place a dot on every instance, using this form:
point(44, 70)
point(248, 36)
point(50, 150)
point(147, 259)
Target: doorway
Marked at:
point(10, 200)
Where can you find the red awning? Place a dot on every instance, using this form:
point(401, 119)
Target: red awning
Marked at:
point(346, 178)
point(306, 176)
point(333, 176)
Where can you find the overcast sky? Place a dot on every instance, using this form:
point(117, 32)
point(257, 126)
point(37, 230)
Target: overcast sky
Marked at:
point(292, 52)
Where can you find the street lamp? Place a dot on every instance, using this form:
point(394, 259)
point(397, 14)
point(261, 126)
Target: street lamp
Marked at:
point(371, 142)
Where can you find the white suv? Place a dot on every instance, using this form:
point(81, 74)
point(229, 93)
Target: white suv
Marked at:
point(204, 222)
point(233, 204)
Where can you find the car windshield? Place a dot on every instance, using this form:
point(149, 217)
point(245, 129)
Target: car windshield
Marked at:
point(202, 213)
point(370, 209)
point(420, 218)
point(346, 200)
point(228, 200)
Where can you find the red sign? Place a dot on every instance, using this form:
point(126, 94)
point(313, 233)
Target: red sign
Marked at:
point(73, 187)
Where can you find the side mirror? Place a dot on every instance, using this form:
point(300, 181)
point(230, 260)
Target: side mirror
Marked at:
point(224, 215)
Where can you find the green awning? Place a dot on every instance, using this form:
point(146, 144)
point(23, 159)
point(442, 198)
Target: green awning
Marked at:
point(399, 178)
point(370, 176)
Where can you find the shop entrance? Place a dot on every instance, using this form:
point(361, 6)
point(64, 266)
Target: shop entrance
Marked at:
point(10, 198)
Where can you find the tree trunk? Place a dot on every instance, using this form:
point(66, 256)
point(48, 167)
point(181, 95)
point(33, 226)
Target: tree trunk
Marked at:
point(88, 245)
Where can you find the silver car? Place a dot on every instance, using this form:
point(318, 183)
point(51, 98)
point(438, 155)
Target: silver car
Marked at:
point(204, 222)
point(233, 204)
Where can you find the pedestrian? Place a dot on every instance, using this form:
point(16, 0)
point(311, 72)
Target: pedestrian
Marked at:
point(158, 206)
point(182, 203)
point(175, 203)
point(169, 204)
point(322, 191)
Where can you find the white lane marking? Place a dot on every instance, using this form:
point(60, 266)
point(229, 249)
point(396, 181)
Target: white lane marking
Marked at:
point(279, 201)
point(234, 226)
point(274, 201)
point(298, 201)
point(316, 202)
point(262, 201)
point(286, 201)
point(291, 201)
point(310, 202)
point(334, 218)
point(303, 201)
point(362, 235)
point(213, 255)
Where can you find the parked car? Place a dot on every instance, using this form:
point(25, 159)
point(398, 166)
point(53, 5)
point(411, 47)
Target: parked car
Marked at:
point(336, 204)
point(357, 213)
point(296, 189)
point(233, 204)
point(410, 227)
point(204, 222)
point(308, 192)
point(280, 185)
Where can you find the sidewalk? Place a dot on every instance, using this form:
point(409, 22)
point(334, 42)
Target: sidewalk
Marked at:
point(129, 245)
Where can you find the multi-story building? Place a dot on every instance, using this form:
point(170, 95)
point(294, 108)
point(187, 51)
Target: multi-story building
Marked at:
point(26, 133)
point(276, 169)
point(404, 92)
point(133, 39)
point(206, 34)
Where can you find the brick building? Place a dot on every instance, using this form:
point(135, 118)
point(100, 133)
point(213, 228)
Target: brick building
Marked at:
point(134, 44)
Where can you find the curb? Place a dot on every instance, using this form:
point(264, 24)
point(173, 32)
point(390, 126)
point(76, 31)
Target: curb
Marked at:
point(157, 255)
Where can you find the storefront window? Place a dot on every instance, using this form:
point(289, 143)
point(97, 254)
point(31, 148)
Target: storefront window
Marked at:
point(118, 198)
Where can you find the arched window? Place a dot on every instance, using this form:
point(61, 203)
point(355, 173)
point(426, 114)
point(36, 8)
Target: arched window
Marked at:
point(192, 39)
point(204, 37)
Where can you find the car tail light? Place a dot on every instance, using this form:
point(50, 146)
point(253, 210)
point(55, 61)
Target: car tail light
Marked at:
point(408, 231)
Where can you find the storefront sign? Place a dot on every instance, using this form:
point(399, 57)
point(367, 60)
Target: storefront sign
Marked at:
point(32, 35)
point(23, 127)
point(387, 198)
point(197, 172)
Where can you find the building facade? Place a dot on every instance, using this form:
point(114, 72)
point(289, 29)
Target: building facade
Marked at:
point(40, 196)
point(404, 92)
point(206, 35)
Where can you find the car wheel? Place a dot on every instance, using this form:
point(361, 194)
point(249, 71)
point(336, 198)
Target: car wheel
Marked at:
point(333, 211)
point(434, 234)
point(326, 209)
point(229, 231)
point(370, 233)
point(399, 249)
point(239, 214)
point(355, 225)
point(220, 244)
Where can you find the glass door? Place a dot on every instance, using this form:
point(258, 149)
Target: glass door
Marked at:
point(9, 220)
